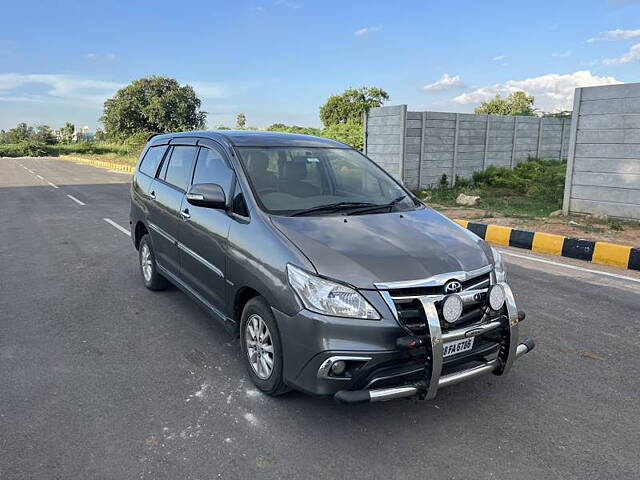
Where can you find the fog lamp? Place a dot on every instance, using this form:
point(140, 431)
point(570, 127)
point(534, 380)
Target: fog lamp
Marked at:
point(496, 297)
point(452, 308)
point(338, 367)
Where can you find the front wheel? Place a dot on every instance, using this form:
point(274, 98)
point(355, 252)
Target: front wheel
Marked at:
point(261, 346)
point(150, 276)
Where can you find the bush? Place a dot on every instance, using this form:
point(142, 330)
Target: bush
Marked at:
point(534, 178)
point(444, 181)
point(26, 148)
point(534, 187)
point(39, 149)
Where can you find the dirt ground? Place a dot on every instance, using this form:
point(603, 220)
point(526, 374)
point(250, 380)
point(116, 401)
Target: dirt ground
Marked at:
point(622, 232)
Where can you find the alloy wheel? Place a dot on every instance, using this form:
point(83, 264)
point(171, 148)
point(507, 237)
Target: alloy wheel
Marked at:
point(259, 346)
point(146, 263)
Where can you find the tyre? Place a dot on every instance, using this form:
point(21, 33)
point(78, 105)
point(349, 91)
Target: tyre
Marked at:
point(150, 276)
point(261, 347)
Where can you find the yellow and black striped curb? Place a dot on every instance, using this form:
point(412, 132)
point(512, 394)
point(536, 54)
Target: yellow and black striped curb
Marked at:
point(598, 252)
point(99, 163)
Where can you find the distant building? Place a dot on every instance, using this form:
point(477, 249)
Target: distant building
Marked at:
point(81, 134)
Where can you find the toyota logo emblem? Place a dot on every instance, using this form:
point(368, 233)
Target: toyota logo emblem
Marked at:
point(452, 286)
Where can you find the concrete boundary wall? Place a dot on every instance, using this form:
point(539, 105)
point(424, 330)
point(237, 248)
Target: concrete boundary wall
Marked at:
point(603, 167)
point(419, 147)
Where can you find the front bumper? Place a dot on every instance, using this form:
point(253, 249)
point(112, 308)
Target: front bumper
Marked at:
point(312, 342)
point(510, 348)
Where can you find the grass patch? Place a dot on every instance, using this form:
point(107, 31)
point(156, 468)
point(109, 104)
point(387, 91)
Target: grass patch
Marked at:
point(121, 153)
point(129, 160)
point(532, 189)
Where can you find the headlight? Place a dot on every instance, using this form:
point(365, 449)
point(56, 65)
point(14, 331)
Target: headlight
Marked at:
point(498, 266)
point(329, 298)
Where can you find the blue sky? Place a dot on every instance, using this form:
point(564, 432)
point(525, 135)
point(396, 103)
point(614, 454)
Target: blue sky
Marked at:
point(278, 60)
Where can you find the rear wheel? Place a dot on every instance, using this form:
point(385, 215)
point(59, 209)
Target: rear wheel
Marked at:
point(150, 276)
point(261, 346)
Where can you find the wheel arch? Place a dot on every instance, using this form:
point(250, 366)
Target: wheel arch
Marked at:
point(242, 296)
point(139, 232)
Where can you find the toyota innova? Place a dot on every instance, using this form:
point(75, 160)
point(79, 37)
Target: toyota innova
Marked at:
point(337, 279)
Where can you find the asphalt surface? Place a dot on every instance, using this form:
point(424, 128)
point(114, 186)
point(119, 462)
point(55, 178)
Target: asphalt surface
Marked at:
point(101, 378)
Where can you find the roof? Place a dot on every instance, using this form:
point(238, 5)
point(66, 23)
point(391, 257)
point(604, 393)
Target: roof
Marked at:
point(258, 138)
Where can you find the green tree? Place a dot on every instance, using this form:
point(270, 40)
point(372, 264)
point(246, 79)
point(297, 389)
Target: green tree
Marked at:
point(152, 104)
point(351, 133)
point(43, 134)
point(241, 121)
point(67, 132)
point(517, 103)
point(100, 136)
point(281, 127)
point(20, 133)
point(350, 105)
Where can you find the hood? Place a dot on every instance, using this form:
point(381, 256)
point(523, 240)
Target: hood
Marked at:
point(365, 249)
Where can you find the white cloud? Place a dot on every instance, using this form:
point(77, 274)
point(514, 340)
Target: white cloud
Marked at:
point(497, 58)
point(98, 56)
point(24, 99)
point(446, 82)
point(566, 53)
point(69, 87)
point(288, 4)
point(633, 55)
point(552, 92)
point(60, 86)
point(617, 35)
point(366, 30)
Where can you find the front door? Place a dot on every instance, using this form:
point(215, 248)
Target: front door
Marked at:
point(204, 231)
point(167, 192)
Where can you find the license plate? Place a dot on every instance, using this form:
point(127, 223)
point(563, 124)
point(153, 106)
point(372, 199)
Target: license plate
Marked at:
point(458, 346)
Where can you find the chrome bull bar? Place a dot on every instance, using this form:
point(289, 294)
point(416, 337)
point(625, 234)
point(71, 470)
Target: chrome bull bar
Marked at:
point(511, 349)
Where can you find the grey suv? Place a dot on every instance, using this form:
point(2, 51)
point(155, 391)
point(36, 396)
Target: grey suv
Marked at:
point(337, 280)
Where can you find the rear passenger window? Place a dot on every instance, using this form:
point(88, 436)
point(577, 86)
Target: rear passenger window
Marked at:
point(151, 160)
point(178, 172)
point(212, 167)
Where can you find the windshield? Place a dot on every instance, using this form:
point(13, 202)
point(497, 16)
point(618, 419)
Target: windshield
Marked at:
point(320, 181)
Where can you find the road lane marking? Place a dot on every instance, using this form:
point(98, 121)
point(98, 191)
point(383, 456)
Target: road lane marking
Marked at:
point(75, 200)
point(119, 227)
point(53, 185)
point(571, 267)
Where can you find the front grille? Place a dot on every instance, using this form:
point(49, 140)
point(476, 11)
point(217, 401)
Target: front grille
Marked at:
point(411, 314)
point(481, 281)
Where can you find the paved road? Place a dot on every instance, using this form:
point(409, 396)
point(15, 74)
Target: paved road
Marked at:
point(101, 378)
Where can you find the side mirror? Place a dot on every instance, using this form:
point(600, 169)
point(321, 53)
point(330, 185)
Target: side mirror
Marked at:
point(208, 195)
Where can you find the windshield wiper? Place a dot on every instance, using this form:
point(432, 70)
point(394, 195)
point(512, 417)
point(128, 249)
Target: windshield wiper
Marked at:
point(374, 207)
point(330, 207)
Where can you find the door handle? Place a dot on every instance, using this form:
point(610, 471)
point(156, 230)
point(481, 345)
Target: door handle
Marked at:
point(185, 213)
point(152, 195)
